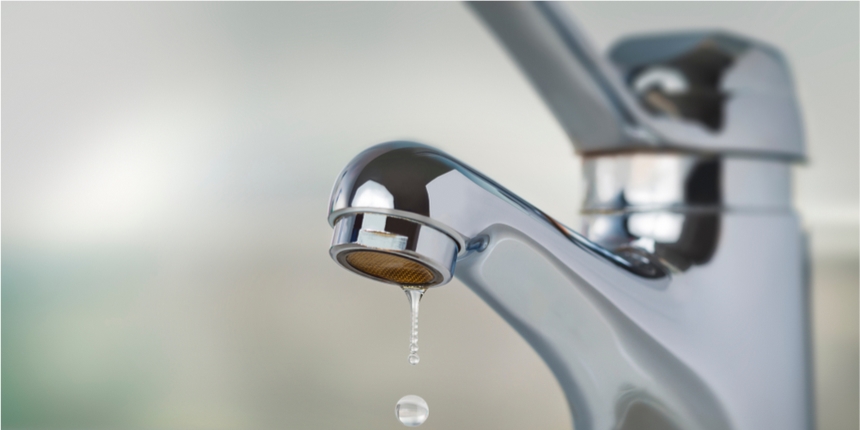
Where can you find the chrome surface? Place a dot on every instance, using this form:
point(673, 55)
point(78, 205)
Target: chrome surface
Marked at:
point(695, 91)
point(688, 182)
point(669, 204)
point(431, 188)
point(703, 327)
point(399, 236)
point(683, 303)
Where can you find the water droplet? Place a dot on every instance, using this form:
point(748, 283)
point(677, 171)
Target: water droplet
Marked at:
point(414, 295)
point(412, 410)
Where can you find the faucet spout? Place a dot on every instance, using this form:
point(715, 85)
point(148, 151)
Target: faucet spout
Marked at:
point(563, 293)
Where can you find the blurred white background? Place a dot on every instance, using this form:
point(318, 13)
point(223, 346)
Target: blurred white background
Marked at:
point(165, 174)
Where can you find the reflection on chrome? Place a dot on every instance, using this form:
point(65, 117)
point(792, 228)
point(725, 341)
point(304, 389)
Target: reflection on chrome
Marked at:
point(682, 304)
point(690, 310)
point(699, 91)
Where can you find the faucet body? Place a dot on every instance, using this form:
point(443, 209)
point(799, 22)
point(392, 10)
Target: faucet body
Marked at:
point(682, 302)
point(634, 340)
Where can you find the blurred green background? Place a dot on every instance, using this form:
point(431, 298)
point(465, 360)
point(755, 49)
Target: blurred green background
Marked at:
point(165, 175)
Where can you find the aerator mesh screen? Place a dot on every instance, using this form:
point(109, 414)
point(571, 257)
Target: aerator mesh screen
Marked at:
point(390, 267)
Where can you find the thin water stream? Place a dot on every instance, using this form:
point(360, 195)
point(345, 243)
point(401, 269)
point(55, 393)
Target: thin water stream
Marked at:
point(412, 410)
point(414, 295)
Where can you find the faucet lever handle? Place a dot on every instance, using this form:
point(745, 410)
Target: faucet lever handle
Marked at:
point(582, 91)
point(700, 91)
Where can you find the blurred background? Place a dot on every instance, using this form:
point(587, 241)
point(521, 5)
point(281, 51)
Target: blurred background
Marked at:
point(166, 169)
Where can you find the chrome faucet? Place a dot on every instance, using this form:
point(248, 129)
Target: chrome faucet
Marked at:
point(682, 302)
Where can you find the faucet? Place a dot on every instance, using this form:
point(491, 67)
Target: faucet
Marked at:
point(682, 301)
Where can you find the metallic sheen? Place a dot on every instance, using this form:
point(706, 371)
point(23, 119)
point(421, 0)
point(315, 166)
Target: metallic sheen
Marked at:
point(693, 91)
point(684, 303)
point(676, 308)
point(408, 240)
point(406, 180)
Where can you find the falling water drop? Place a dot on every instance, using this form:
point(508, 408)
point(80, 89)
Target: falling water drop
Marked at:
point(414, 295)
point(412, 410)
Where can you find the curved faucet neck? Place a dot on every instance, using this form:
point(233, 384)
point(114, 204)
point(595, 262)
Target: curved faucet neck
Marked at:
point(670, 335)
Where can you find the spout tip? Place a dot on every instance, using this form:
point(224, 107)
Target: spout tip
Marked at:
point(394, 250)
